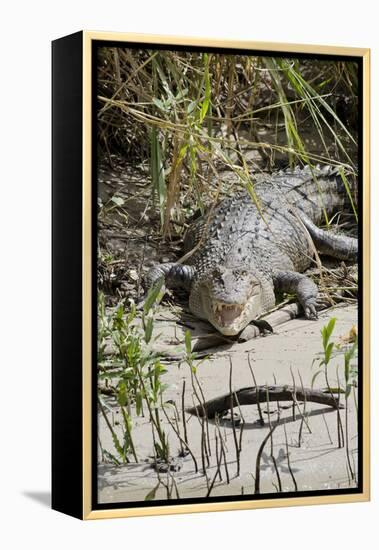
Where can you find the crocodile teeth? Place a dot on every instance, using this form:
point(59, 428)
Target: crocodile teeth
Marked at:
point(226, 313)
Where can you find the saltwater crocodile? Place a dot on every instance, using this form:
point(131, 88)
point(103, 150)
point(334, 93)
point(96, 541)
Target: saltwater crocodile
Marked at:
point(247, 247)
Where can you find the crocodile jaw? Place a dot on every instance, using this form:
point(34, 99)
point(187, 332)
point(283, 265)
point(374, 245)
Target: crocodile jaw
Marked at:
point(231, 319)
point(226, 314)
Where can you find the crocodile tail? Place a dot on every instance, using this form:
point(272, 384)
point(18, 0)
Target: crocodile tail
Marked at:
point(321, 190)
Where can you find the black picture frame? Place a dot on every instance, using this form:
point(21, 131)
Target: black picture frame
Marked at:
point(74, 292)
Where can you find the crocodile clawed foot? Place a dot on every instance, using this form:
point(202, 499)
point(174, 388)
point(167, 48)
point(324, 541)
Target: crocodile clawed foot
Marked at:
point(311, 312)
point(251, 331)
point(263, 326)
point(248, 333)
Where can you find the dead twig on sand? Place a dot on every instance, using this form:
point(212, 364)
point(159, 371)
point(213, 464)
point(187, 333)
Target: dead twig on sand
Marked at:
point(253, 394)
point(258, 461)
point(232, 398)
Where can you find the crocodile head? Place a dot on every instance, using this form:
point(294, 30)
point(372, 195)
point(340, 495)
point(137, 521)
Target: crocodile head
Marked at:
point(229, 298)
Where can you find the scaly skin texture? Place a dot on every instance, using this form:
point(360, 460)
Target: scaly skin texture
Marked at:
point(242, 252)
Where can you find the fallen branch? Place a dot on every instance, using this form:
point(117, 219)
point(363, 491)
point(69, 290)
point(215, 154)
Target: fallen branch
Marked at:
point(259, 394)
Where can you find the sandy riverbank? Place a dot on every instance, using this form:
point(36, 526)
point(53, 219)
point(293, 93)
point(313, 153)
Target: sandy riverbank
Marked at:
point(316, 465)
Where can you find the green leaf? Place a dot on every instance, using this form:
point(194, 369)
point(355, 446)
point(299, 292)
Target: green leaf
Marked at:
point(119, 448)
point(149, 324)
point(122, 394)
point(152, 295)
point(151, 494)
point(191, 106)
point(158, 103)
point(328, 352)
point(347, 188)
point(132, 314)
point(330, 326)
point(204, 109)
point(327, 331)
point(182, 153)
point(188, 342)
point(111, 456)
point(314, 377)
point(138, 403)
point(207, 96)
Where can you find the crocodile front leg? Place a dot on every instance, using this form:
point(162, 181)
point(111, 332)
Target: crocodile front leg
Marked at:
point(175, 275)
point(304, 288)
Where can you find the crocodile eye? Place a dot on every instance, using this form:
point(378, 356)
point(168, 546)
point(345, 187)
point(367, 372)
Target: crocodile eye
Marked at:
point(216, 275)
point(238, 273)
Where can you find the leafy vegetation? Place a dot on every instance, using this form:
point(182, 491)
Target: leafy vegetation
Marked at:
point(193, 115)
point(132, 371)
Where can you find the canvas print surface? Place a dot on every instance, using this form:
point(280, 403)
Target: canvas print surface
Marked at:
point(228, 223)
